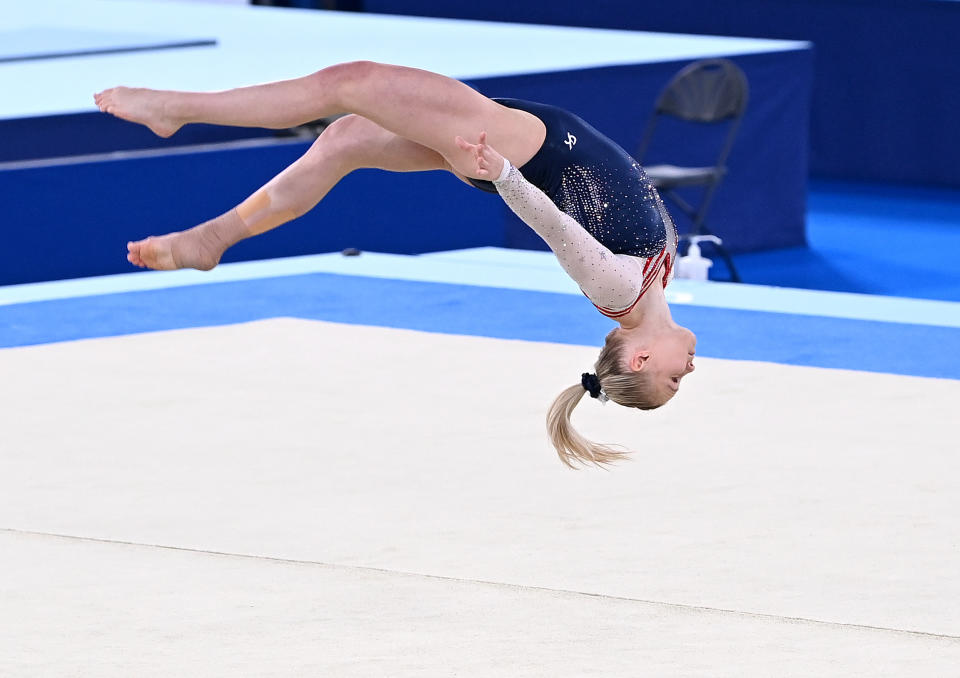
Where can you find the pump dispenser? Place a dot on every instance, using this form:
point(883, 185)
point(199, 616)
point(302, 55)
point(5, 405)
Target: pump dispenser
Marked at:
point(694, 266)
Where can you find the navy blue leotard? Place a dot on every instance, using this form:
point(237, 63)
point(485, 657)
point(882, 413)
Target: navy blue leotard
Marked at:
point(596, 182)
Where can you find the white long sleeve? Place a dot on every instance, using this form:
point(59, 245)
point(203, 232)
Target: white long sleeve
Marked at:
point(613, 282)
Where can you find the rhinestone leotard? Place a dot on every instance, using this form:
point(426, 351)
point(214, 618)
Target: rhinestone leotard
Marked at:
point(593, 181)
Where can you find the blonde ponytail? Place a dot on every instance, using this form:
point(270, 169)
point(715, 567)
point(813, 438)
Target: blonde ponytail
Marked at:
point(619, 384)
point(572, 447)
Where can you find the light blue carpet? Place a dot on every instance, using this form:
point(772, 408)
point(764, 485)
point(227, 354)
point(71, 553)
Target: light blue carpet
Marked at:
point(871, 239)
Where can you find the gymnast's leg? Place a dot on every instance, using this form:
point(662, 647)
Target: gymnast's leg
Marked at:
point(349, 143)
point(427, 108)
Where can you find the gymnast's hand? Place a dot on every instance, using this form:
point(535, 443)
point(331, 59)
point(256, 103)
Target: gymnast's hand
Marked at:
point(487, 162)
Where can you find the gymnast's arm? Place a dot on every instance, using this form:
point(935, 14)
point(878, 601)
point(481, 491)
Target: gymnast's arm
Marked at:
point(611, 281)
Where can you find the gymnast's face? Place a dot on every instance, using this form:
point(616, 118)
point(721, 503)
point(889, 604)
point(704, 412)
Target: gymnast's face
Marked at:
point(669, 359)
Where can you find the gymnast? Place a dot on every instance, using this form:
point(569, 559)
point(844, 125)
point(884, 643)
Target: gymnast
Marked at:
point(585, 196)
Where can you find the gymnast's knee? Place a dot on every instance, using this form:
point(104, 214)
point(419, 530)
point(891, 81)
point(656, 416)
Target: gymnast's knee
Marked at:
point(344, 77)
point(346, 133)
point(349, 142)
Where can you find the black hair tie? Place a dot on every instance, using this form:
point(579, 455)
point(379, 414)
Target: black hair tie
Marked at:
point(591, 384)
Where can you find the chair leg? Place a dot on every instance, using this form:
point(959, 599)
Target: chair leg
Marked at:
point(701, 229)
point(728, 260)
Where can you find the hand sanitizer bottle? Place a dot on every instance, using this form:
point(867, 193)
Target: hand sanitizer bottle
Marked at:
point(694, 266)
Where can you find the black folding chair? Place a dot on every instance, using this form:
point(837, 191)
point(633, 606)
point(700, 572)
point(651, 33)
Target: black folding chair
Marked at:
point(712, 92)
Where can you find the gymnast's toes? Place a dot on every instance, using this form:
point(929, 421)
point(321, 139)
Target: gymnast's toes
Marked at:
point(153, 252)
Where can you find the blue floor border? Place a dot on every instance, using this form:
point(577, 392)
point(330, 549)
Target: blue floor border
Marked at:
point(917, 350)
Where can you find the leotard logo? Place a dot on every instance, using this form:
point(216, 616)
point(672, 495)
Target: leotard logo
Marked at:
point(571, 140)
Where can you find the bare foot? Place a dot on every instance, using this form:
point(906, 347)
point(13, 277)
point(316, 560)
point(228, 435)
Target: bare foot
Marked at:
point(186, 249)
point(143, 106)
point(199, 247)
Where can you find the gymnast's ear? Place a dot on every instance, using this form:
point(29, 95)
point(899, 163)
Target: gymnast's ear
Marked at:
point(639, 360)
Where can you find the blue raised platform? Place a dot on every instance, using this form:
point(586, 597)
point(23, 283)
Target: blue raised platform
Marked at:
point(130, 184)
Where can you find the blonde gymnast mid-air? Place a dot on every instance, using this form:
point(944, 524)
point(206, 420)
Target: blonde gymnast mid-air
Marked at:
point(584, 195)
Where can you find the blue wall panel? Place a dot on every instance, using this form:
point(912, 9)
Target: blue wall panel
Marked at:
point(74, 220)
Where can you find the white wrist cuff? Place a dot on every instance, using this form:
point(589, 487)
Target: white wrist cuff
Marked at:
point(503, 172)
